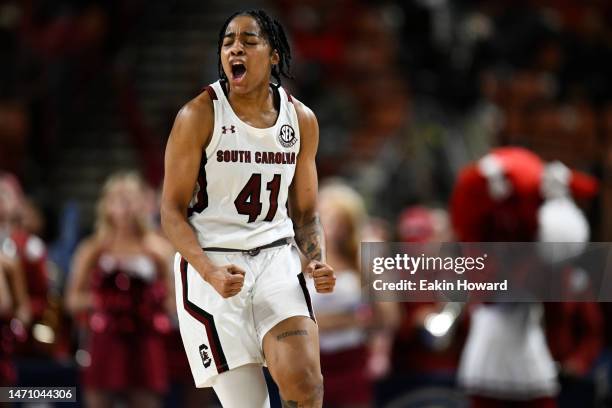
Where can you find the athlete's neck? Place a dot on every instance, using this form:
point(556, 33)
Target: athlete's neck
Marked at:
point(256, 100)
point(256, 107)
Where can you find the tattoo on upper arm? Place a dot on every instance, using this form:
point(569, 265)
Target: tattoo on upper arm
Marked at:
point(292, 333)
point(290, 404)
point(309, 238)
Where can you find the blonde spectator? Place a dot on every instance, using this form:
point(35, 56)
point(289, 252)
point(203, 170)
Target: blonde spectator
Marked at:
point(347, 324)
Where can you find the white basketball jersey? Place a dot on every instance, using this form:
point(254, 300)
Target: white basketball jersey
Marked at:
point(241, 193)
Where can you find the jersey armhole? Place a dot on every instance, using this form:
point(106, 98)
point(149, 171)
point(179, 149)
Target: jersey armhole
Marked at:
point(215, 136)
point(292, 112)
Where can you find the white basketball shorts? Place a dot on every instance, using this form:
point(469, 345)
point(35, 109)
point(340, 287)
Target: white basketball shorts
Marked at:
point(221, 334)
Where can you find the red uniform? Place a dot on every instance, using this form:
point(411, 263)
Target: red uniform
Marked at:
point(32, 255)
point(344, 352)
point(127, 325)
point(7, 370)
point(177, 363)
point(574, 331)
point(346, 378)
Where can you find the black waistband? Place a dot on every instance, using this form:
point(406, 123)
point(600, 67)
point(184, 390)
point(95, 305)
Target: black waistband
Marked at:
point(252, 252)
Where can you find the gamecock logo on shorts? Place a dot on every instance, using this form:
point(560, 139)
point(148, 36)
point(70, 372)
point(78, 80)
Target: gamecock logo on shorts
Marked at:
point(206, 360)
point(286, 137)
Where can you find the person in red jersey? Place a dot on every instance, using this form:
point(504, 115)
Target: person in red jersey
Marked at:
point(120, 278)
point(240, 187)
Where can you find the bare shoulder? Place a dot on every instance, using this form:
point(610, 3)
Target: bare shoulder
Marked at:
point(90, 244)
point(199, 108)
point(6, 262)
point(197, 118)
point(309, 128)
point(88, 248)
point(306, 116)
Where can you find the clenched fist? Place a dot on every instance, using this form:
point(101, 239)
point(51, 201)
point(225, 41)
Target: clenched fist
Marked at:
point(227, 280)
point(323, 276)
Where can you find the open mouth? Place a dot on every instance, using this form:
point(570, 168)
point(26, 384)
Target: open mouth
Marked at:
point(238, 71)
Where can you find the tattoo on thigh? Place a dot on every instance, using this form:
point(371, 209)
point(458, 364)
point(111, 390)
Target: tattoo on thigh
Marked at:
point(292, 333)
point(315, 400)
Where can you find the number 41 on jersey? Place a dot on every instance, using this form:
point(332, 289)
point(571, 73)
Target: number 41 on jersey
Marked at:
point(248, 201)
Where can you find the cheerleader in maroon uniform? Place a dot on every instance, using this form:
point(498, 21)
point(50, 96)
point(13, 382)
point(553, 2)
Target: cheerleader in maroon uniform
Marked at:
point(30, 253)
point(120, 277)
point(14, 315)
point(350, 330)
point(177, 366)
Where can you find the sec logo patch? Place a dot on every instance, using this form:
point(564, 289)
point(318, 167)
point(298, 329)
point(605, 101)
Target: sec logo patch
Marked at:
point(286, 137)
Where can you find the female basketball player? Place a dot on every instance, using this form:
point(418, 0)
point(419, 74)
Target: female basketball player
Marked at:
point(240, 183)
point(119, 276)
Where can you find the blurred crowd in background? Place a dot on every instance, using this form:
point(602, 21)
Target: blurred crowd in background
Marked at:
point(407, 94)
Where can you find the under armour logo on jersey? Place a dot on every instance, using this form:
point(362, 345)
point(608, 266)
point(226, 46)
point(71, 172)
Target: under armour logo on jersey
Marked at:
point(225, 129)
point(204, 354)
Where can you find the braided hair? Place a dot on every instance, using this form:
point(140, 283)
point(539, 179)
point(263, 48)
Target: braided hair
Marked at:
point(274, 34)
